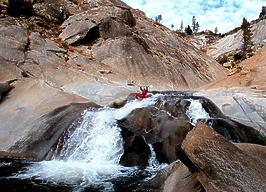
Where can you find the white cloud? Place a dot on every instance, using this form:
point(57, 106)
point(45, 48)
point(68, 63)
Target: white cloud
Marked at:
point(224, 14)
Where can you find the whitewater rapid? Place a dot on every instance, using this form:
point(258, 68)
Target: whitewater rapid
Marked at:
point(195, 112)
point(92, 152)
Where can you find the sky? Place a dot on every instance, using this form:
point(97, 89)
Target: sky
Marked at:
point(223, 14)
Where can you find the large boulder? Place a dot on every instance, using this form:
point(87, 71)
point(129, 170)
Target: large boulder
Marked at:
point(221, 165)
point(88, 26)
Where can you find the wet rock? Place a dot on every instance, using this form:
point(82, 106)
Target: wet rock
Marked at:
point(221, 165)
point(136, 150)
point(163, 125)
point(33, 116)
point(48, 129)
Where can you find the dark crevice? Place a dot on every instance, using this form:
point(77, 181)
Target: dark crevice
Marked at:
point(136, 151)
point(90, 38)
point(5, 88)
point(20, 7)
point(182, 156)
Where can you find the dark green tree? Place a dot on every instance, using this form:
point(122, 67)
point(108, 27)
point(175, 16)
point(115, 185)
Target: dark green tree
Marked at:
point(188, 30)
point(263, 12)
point(247, 42)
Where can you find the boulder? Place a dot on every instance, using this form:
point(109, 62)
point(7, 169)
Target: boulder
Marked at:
point(85, 27)
point(221, 165)
point(164, 125)
point(174, 177)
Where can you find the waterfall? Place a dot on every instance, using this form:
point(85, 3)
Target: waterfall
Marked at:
point(196, 112)
point(92, 152)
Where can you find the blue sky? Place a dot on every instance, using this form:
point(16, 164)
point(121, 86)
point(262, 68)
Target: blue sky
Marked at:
point(223, 14)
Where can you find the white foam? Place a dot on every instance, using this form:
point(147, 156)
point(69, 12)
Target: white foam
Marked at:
point(196, 112)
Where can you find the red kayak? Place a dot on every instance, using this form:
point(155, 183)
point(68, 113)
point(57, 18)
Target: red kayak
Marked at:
point(144, 93)
point(141, 96)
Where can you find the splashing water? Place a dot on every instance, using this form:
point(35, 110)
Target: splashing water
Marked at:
point(92, 152)
point(196, 112)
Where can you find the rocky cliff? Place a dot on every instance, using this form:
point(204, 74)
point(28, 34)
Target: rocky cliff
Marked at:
point(67, 42)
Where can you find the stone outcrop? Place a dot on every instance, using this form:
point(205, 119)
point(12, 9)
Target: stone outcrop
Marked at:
point(247, 106)
point(221, 165)
point(32, 117)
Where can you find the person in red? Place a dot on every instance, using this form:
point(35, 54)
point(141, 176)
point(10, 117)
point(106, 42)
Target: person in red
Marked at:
point(144, 93)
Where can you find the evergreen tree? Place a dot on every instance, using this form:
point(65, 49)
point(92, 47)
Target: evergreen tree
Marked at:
point(172, 26)
point(156, 19)
point(193, 24)
point(188, 30)
point(247, 42)
point(263, 12)
point(216, 30)
point(159, 17)
point(182, 26)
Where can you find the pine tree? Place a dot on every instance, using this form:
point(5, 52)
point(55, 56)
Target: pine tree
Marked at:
point(193, 23)
point(188, 30)
point(182, 26)
point(159, 17)
point(156, 19)
point(216, 30)
point(247, 42)
point(263, 12)
point(172, 26)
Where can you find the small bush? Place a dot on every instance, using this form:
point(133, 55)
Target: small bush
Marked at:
point(239, 56)
point(223, 59)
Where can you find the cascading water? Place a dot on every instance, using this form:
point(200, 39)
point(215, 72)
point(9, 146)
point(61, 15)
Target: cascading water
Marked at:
point(92, 152)
point(196, 112)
